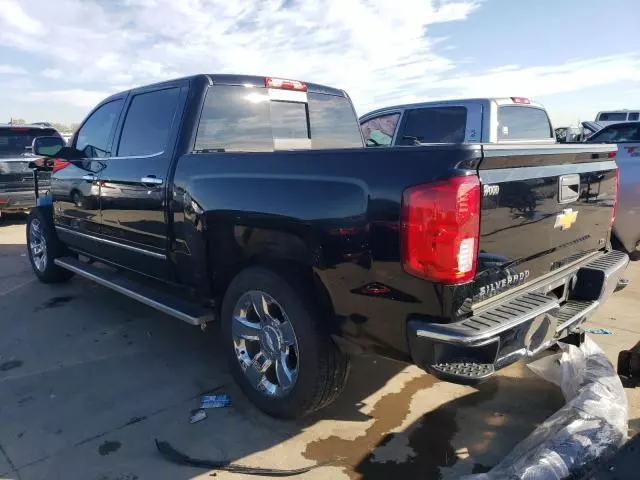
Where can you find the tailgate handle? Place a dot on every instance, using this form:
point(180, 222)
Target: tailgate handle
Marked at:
point(569, 188)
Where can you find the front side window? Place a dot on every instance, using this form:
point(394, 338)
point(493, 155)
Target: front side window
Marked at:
point(147, 124)
point(523, 123)
point(94, 135)
point(434, 125)
point(379, 131)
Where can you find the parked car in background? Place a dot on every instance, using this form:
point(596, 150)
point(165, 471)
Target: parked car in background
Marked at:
point(251, 201)
point(575, 134)
point(16, 178)
point(617, 116)
point(626, 230)
point(484, 120)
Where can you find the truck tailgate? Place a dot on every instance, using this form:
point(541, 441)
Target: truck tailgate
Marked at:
point(542, 208)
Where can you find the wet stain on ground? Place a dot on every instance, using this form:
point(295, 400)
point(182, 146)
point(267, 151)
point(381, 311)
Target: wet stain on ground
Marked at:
point(10, 365)
point(109, 447)
point(54, 302)
point(388, 413)
point(431, 437)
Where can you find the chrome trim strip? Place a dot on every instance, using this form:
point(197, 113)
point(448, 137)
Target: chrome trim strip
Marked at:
point(160, 256)
point(131, 294)
point(450, 336)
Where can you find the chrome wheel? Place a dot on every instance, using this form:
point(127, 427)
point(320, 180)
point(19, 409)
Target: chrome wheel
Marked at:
point(37, 245)
point(265, 343)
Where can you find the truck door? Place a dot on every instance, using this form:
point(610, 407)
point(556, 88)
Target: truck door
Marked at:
point(133, 183)
point(74, 183)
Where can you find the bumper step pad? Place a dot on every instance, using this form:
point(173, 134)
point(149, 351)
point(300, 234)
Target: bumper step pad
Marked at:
point(468, 369)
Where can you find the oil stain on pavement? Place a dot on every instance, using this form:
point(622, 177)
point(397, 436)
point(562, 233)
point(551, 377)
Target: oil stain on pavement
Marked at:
point(54, 302)
point(109, 447)
point(10, 365)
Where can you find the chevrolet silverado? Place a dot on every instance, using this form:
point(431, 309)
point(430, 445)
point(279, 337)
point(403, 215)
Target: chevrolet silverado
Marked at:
point(252, 201)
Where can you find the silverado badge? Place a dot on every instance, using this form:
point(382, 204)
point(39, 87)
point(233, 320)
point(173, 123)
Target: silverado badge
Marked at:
point(565, 219)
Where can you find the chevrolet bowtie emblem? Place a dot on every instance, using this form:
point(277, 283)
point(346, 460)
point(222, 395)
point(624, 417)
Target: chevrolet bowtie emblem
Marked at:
point(565, 219)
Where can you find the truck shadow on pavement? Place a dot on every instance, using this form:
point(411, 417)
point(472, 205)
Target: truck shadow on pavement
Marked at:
point(89, 379)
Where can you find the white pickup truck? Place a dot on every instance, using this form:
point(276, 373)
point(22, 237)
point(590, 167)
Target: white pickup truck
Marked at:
point(475, 120)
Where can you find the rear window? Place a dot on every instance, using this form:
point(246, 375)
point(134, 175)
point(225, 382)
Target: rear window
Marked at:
point(523, 123)
point(17, 140)
point(612, 117)
point(434, 125)
point(240, 119)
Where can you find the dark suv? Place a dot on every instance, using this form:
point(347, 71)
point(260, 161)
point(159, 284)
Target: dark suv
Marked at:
point(16, 178)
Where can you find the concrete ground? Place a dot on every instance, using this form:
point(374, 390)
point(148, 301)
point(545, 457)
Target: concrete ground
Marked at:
point(89, 378)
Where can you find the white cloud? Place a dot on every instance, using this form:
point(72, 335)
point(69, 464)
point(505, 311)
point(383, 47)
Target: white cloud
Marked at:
point(11, 70)
point(380, 53)
point(75, 97)
point(52, 73)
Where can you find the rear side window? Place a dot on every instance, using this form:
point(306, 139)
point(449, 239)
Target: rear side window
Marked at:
point(94, 135)
point(434, 125)
point(379, 131)
point(634, 116)
point(612, 117)
point(523, 123)
point(239, 119)
point(147, 124)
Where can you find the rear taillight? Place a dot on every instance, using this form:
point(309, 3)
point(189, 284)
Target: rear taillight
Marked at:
point(615, 197)
point(440, 229)
point(59, 164)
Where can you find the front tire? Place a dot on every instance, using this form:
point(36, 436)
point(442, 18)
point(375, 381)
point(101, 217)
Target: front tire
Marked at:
point(279, 350)
point(44, 247)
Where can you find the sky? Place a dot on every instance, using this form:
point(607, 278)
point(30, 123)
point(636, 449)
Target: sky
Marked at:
point(59, 58)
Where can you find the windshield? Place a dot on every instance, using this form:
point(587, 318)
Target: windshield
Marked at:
point(17, 140)
point(627, 132)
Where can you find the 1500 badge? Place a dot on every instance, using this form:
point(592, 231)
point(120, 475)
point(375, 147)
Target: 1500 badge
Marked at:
point(494, 288)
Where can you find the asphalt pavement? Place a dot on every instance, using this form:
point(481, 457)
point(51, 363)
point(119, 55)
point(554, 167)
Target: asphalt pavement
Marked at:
point(89, 379)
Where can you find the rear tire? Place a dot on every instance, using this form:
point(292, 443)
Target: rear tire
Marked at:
point(291, 332)
point(44, 247)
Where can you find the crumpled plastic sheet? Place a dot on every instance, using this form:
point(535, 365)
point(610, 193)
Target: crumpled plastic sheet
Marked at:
point(590, 428)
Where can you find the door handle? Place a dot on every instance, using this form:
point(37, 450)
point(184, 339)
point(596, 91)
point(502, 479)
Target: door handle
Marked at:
point(151, 180)
point(90, 177)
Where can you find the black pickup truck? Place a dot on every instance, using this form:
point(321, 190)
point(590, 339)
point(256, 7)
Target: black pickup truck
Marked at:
point(252, 201)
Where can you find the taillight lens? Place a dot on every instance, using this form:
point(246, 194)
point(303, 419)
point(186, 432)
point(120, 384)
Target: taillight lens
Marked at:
point(615, 198)
point(440, 229)
point(59, 164)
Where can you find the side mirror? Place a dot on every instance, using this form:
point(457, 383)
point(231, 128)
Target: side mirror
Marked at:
point(47, 146)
